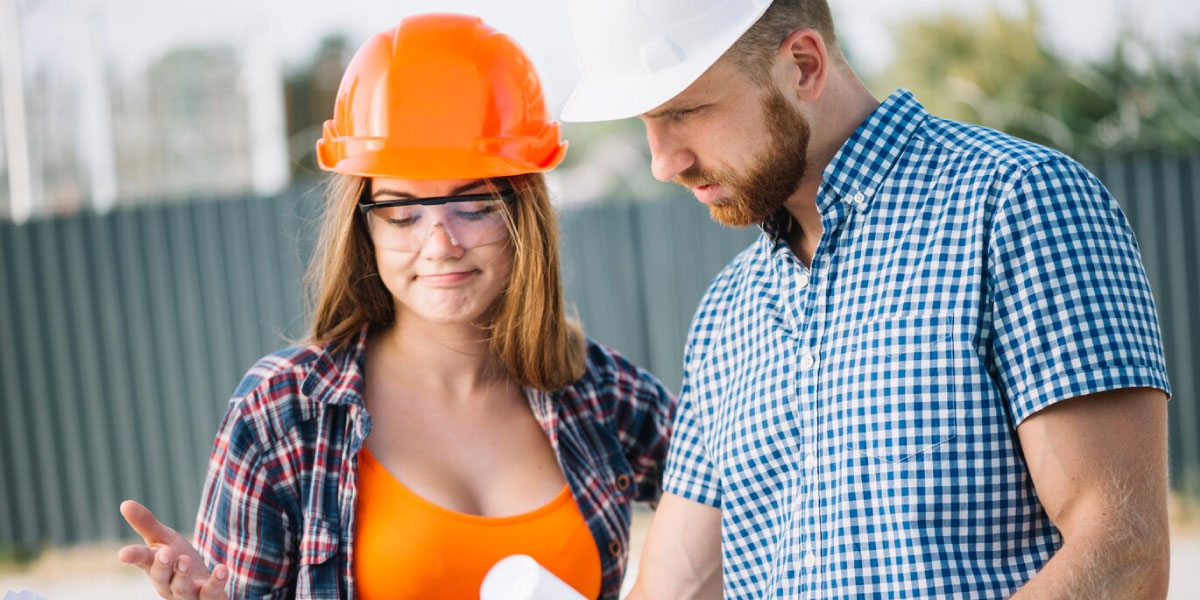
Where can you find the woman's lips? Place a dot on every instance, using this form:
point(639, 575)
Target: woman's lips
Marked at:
point(446, 279)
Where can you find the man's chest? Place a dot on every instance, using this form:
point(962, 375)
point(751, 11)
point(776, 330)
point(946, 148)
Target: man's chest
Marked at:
point(878, 350)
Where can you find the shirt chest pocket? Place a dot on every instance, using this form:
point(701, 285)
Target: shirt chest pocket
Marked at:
point(318, 575)
point(901, 396)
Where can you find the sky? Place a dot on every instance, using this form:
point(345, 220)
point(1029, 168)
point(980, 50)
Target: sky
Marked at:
point(72, 34)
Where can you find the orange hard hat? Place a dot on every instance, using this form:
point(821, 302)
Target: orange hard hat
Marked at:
point(440, 96)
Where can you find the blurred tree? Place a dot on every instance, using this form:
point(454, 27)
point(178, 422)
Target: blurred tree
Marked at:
point(608, 161)
point(998, 71)
point(310, 92)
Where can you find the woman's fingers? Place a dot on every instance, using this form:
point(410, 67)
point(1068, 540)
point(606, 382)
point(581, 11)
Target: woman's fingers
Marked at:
point(177, 573)
point(214, 588)
point(143, 522)
point(162, 570)
point(183, 583)
point(137, 555)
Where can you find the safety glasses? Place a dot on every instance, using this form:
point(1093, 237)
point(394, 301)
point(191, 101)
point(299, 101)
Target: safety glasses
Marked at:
point(469, 221)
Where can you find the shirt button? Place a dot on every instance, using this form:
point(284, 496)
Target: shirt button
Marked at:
point(614, 548)
point(807, 362)
point(810, 461)
point(622, 482)
point(810, 560)
point(802, 280)
point(860, 198)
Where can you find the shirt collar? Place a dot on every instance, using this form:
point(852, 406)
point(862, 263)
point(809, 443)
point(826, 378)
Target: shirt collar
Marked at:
point(776, 229)
point(336, 377)
point(860, 167)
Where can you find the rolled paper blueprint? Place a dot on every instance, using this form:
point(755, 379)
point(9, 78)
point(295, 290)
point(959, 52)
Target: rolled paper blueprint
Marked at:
point(519, 577)
point(22, 595)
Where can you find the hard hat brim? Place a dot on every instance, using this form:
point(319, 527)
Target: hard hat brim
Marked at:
point(436, 163)
point(608, 99)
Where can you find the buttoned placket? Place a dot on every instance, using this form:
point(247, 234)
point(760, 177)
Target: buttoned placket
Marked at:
point(358, 428)
point(810, 304)
point(545, 411)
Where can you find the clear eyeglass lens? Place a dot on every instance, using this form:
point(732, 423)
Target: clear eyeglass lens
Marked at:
point(407, 228)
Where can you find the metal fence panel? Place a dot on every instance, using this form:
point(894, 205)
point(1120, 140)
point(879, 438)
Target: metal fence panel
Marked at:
point(122, 335)
point(1185, 408)
point(85, 346)
point(19, 491)
point(1158, 194)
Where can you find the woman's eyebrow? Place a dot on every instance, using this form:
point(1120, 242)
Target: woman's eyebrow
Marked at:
point(408, 196)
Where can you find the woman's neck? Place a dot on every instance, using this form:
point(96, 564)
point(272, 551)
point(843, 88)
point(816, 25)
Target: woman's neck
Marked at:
point(451, 360)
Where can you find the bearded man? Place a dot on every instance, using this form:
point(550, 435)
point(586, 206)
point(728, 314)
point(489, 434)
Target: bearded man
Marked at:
point(937, 373)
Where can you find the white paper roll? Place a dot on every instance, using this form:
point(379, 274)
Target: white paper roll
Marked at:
point(520, 577)
point(22, 595)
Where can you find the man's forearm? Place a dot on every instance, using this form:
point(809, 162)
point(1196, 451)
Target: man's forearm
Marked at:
point(1103, 566)
point(635, 594)
point(694, 585)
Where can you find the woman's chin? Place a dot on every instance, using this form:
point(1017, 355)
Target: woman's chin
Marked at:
point(448, 315)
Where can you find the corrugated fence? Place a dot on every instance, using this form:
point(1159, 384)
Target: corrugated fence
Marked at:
point(122, 335)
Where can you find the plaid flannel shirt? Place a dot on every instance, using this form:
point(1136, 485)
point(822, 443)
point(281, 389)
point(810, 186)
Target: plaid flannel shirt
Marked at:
point(278, 506)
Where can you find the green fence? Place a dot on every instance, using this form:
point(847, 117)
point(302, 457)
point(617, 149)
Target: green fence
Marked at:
point(122, 335)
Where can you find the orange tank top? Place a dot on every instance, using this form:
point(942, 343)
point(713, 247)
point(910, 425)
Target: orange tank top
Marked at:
point(408, 547)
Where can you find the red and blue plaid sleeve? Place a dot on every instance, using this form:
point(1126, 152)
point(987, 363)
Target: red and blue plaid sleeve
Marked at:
point(642, 413)
point(241, 524)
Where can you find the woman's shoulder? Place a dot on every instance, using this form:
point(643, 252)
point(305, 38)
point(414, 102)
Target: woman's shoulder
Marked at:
point(604, 364)
point(617, 396)
point(288, 386)
point(284, 366)
point(609, 377)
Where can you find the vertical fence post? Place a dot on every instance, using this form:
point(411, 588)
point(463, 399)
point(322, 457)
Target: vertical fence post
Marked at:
point(15, 443)
point(86, 351)
point(1187, 451)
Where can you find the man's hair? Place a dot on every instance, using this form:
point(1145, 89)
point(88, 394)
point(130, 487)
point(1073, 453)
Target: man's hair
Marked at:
point(752, 53)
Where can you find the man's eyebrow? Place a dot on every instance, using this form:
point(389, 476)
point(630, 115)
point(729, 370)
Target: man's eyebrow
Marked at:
point(659, 113)
point(408, 196)
point(673, 111)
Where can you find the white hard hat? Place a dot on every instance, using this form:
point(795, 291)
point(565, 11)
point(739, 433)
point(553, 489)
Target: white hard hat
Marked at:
point(637, 54)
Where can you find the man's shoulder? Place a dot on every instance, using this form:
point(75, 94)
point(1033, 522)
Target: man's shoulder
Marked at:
point(985, 147)
point(747, 267)
point(729, 291)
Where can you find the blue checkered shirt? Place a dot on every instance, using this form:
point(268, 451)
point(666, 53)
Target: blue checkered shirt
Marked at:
point(855, 421)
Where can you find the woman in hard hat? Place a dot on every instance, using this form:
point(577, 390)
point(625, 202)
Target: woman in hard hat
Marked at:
point(447, 413)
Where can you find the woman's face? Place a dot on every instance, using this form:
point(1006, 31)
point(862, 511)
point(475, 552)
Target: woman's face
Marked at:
point(441, 263)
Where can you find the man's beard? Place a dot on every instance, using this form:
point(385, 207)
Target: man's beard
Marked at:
point(753, 197)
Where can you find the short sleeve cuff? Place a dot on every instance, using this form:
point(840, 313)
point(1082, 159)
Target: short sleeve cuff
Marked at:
point(1055, 388)
point(692, 486)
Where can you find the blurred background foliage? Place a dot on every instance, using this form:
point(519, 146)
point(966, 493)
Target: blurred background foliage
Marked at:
point(176, 129)
point(999, 71)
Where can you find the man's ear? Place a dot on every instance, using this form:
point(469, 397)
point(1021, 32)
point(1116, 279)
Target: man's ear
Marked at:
point(806, 62)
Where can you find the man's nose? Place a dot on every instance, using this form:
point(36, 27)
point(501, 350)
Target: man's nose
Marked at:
point(668, 156)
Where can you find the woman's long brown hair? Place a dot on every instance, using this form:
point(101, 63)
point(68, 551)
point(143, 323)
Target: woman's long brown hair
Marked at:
point(530, 333)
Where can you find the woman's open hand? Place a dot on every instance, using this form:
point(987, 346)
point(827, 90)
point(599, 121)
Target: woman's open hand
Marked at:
point(174, 567)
